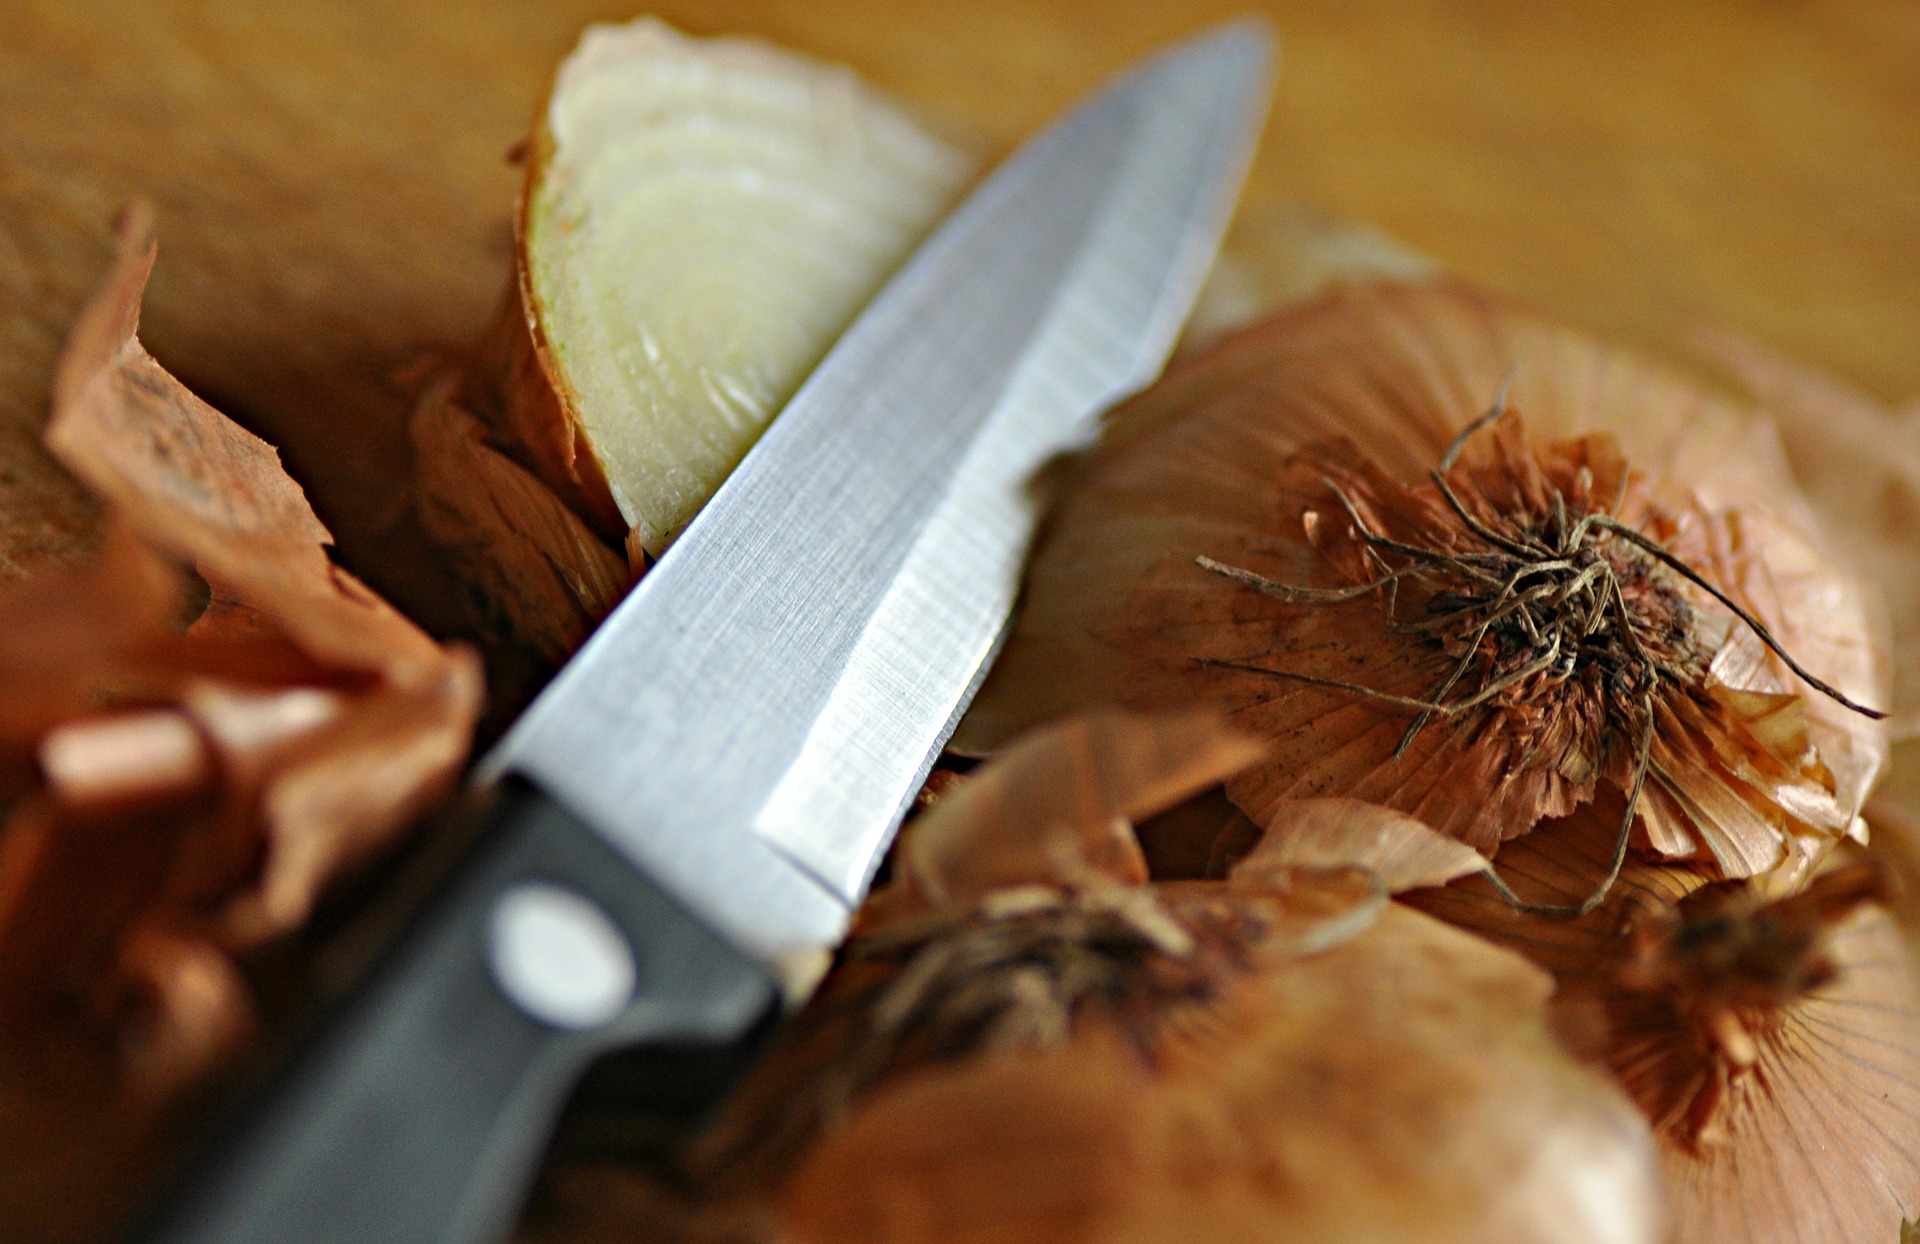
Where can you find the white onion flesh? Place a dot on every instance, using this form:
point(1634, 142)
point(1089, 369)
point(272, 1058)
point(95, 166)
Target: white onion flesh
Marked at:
point(710, 216)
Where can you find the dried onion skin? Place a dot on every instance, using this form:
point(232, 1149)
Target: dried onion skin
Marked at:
point(1025, 1041)
point(1265, 454)
point(1769, 1041)
point(178, 796)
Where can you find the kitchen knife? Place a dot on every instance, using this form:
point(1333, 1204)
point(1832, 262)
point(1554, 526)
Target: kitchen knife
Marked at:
point(690, 813)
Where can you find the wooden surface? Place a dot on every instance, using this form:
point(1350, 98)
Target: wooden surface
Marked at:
point(334, 196)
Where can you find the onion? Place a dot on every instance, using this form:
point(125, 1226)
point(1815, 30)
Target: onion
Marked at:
point(1770, 1042)
point(1730, 962)
point(701, 220)
point(1027, 1041)
point(1397, 1086)
point(1170, 574)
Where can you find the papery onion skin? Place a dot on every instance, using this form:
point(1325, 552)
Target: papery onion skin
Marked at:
point(176, 796)
point(1808, 1133)
point(1346, 833)
point(1381, 379)
point(1398, 1086)
point(1018, 822)
point(1859, 462)
point(1025, 1042)
point(542, 573)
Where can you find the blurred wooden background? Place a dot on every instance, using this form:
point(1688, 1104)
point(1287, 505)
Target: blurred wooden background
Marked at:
point(334, 196)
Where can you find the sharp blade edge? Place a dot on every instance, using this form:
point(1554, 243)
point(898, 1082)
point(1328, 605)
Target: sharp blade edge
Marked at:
point(751, 721)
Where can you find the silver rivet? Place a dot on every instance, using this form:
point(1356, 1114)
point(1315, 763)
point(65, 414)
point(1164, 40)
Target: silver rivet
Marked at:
point(558, 957)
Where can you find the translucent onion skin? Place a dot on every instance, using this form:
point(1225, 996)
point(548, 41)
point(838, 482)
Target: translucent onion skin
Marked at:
point(701, 219)
point(1752, 769)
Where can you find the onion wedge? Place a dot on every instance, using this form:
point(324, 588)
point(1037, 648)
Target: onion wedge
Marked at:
point(702, 218)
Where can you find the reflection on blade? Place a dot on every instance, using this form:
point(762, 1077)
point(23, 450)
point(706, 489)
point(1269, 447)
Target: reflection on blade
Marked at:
point(752, 720)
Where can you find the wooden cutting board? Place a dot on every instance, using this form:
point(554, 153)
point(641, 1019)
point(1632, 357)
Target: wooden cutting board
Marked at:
point(333, 189)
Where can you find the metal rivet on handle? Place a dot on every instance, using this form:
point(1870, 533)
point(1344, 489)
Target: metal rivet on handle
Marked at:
point(557, 956)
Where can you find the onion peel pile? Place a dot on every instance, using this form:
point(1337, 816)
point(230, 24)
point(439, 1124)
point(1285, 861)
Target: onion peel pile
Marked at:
point(179, 796)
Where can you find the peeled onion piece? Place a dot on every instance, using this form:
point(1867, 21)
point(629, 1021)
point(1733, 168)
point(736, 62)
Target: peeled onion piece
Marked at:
point(702, 219)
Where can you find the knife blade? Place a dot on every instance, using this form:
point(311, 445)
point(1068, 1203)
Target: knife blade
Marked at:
point(697, 803)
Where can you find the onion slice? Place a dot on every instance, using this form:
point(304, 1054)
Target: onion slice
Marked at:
point(701, 219)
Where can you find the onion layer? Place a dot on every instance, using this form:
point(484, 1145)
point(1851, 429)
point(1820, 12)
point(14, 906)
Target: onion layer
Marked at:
point(702, 219)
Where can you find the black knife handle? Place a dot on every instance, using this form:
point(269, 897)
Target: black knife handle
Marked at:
point(421, 1110)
